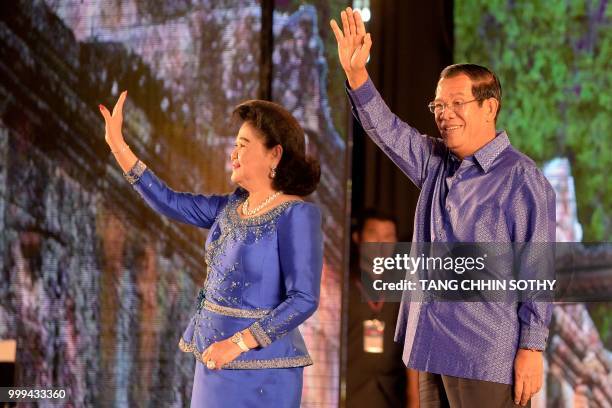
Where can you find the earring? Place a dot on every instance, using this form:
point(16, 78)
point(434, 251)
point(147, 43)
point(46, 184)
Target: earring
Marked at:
point(272, 172)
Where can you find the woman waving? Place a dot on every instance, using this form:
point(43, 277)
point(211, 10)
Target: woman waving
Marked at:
point(264, 256)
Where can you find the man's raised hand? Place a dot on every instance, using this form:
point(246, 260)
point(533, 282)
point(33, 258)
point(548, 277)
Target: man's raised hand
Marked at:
point(353, 46)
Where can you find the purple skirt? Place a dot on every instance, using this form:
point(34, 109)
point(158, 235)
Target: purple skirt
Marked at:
point(270, 387)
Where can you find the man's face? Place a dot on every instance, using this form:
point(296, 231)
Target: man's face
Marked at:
point(378, 231)
point(382, 232)
point(464, 127)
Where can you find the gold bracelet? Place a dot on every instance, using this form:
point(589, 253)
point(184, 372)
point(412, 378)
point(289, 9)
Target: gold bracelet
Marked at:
point(120, 150)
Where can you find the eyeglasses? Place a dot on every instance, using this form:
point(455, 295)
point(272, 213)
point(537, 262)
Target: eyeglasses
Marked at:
point(437, 108)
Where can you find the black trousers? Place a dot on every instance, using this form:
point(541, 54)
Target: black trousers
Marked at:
point(445, 391)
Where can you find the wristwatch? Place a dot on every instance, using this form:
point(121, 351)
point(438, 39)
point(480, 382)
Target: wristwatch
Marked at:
point(239, 341)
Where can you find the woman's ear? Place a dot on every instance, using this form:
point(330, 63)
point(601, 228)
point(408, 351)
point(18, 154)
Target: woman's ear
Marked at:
point(277, 152)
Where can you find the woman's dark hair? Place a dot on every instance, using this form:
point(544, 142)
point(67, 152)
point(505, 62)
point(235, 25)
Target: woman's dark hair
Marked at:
point(296, 173)
point(485, 83)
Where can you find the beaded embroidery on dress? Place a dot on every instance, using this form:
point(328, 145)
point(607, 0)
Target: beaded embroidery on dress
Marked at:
point(264, 272)
point(226, 282)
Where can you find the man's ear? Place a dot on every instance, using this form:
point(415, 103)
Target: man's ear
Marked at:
point(355, 237)
point(492, 105)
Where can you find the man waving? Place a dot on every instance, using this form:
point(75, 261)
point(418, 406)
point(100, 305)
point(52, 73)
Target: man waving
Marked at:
point(475, 187)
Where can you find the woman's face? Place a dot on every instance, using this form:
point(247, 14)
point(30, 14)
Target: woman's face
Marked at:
point(251, 160)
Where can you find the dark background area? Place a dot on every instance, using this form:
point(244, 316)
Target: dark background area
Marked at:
point(412, 43)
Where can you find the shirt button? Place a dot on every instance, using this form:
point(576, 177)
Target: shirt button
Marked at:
point(448, 208)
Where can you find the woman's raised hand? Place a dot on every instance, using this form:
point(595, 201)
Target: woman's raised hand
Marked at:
point(113, 122)
point(114, 137)
point(353, 46)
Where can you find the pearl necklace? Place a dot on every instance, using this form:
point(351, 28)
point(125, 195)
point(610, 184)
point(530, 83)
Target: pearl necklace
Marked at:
point(245, 205)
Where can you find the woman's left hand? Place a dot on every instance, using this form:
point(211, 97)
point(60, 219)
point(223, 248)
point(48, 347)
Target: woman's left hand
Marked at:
point(221, 352)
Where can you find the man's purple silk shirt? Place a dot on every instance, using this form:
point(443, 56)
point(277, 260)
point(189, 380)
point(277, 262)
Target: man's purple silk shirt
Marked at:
point(497, 195)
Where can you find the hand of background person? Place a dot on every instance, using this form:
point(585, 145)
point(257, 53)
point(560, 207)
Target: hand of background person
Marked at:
point(528, 375)
point(221, 352)
point(113, 123)
point(353, 46)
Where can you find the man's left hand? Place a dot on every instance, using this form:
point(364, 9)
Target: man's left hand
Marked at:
point(528, 375)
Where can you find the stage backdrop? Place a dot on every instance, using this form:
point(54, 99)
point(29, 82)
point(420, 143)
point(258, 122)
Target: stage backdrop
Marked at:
point(95, 287)
point(553, 60)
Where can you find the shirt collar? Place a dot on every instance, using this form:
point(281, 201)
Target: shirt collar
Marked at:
point(487, 154)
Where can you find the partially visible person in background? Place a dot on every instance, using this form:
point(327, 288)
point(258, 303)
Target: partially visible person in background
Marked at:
point(376, 375)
